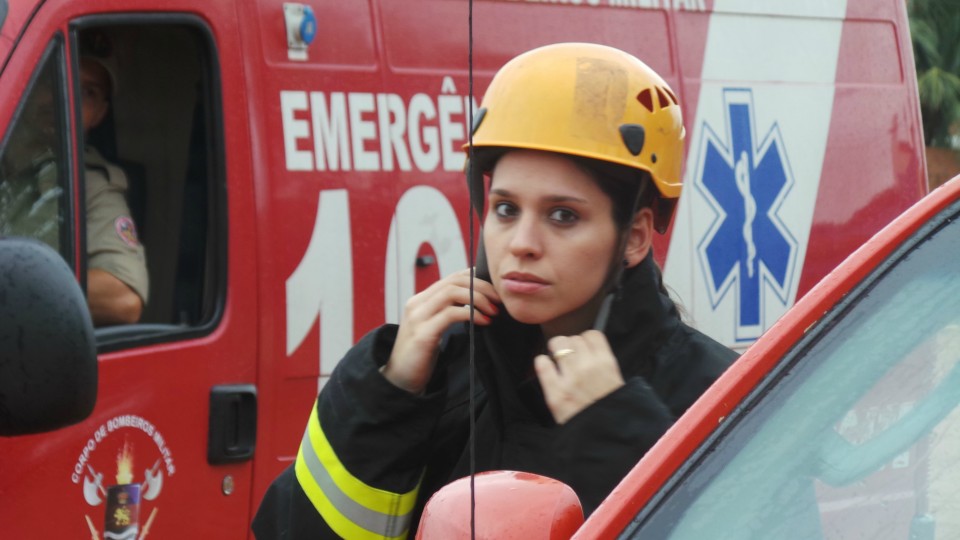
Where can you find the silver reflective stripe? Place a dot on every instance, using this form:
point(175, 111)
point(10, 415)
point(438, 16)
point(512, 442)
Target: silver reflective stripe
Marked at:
point(371, 520)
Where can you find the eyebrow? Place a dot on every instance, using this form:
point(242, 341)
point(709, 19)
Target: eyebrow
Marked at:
point(551, 198)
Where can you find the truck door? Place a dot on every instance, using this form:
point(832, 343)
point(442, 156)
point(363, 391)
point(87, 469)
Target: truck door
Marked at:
point(168, 449)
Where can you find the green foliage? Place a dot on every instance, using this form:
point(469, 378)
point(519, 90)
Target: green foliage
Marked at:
point(935, 30)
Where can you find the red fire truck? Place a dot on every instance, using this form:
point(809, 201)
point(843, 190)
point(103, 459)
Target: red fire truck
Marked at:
point(295, 175)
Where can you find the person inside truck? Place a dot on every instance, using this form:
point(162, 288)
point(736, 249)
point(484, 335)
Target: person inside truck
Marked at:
point(582, 358)
point(117, 279)
point(30, 197)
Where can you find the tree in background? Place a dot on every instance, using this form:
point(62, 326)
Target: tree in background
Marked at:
point(935, 29)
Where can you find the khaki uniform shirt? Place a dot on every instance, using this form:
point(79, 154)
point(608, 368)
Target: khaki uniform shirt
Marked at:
point(112, 242)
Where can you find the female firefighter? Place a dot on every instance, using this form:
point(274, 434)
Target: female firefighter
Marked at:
point(579, 147)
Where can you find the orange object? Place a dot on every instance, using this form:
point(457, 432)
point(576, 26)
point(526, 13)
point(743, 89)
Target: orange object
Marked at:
point(500, 493)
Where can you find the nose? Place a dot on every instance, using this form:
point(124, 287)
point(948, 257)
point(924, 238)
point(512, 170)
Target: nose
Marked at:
point(526, 240)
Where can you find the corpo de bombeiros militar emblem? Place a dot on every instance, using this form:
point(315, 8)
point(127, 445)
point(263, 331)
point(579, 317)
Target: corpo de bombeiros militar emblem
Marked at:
point(108, 467)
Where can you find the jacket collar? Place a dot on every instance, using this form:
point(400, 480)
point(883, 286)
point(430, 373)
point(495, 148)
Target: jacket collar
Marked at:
point(641, 318)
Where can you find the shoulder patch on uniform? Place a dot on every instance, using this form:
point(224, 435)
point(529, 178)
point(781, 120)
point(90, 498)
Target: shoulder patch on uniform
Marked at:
point(127, 231)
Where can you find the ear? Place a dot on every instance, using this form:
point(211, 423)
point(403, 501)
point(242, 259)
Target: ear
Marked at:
point(640, 238)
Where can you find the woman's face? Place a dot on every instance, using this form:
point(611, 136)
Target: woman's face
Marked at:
point(549, 236)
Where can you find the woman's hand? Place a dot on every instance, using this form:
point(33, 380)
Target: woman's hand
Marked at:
point(582, 370)
point(426, 316)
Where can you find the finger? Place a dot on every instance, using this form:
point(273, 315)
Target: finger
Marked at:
point(569, 351)
point(481, 287)
point(459, 279)
point(442, 320)
point(427, 322)
point(463, 278)
point(559, 343)
point(596, 340)
point(487, 289)
point(443, 294)
point(485, 296)
point(548, 373)
point(555, 391)
point(598, 346)
point(459, 313)
point(480, 300)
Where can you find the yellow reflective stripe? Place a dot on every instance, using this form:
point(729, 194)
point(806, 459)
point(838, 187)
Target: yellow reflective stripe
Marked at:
point(349, 506)
point(378, 500)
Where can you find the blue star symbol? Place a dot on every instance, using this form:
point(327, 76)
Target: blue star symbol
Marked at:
point(747, 247)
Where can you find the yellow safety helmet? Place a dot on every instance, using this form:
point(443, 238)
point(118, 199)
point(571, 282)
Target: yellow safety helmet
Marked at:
point(591, 101)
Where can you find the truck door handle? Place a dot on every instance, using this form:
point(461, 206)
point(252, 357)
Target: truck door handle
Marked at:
point(233, 423)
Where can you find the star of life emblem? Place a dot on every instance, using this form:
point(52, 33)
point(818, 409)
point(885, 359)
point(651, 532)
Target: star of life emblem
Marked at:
point(747, 249)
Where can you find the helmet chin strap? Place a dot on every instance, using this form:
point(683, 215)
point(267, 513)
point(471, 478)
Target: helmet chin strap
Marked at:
point(611, 287)
point(600, 323)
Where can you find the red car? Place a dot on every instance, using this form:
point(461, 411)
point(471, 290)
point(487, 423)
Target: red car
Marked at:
point(842, 421)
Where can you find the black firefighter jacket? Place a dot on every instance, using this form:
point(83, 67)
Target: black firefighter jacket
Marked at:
point(373, 454)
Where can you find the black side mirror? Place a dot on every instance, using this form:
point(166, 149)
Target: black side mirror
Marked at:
point(48, 356)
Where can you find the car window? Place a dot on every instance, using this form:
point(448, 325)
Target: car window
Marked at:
point(859, 436)
point(34, 163)
point(155, 196)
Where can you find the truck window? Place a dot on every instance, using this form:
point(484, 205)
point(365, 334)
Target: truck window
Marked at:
point(155, 143)
point(33, 160)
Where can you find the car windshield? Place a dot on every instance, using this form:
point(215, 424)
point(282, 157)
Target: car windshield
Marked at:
point(859, 434)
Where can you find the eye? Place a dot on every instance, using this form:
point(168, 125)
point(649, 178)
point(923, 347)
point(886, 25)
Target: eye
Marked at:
point(563, 216)
point(92, 93)
point(504, 210)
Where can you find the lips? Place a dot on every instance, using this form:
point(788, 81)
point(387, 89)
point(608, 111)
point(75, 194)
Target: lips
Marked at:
point(523, 283)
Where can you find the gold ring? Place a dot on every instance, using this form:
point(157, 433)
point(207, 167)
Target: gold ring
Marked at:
point(562, 352)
